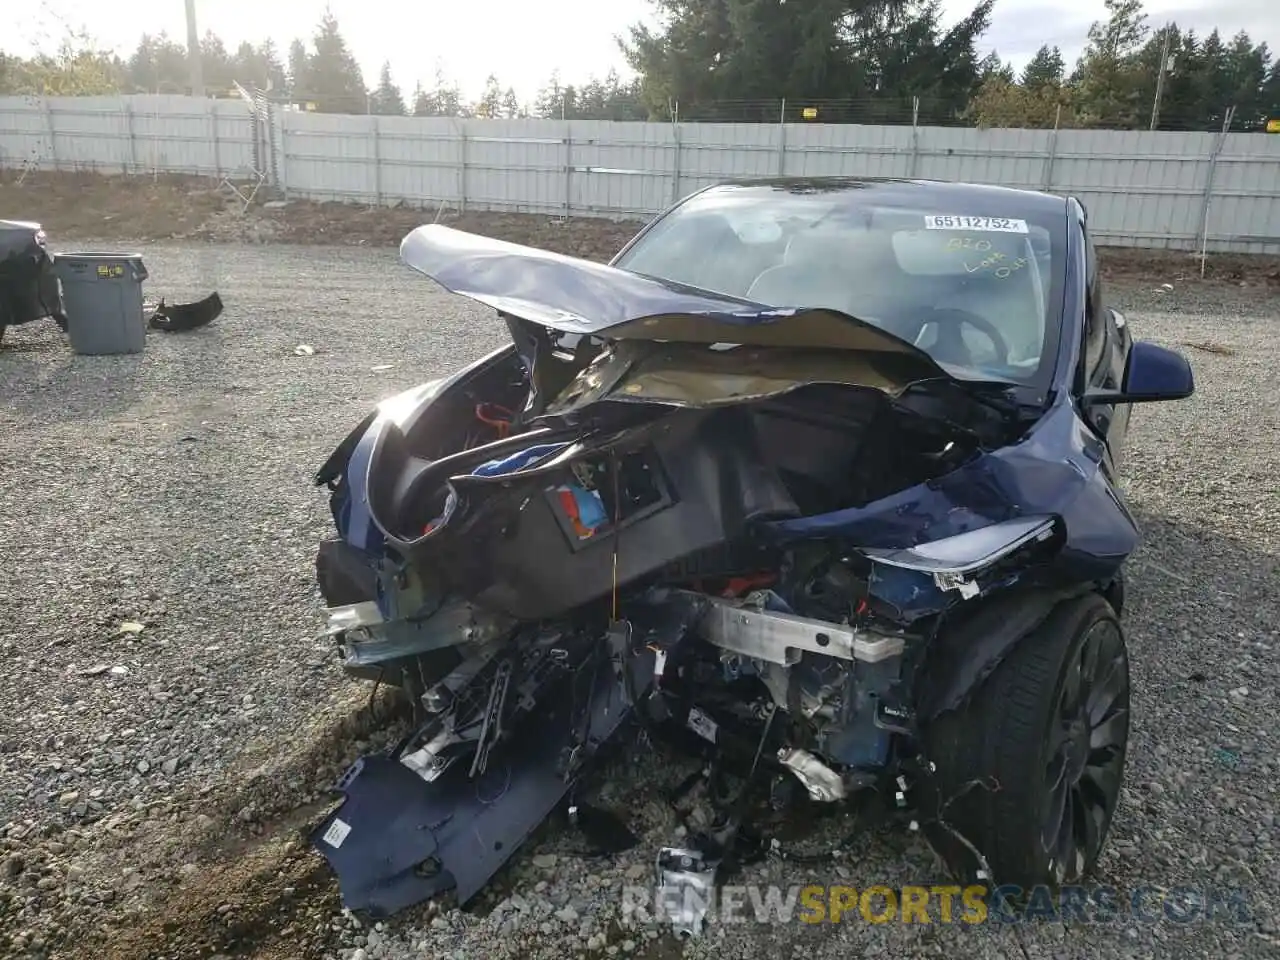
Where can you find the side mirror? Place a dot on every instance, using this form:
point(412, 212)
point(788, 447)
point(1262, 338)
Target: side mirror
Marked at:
point(1153, 373)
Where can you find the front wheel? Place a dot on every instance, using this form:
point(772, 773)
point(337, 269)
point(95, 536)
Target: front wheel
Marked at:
point(1029, 771)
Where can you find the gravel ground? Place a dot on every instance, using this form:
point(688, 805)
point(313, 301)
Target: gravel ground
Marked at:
point(173, 722)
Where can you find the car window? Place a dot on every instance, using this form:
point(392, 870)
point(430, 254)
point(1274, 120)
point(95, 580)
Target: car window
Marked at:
point(973, 291)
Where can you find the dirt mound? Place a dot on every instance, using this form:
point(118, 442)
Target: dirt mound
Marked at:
point(228, 872)
point(78, 206)
point(92, 206)
point(83, 204)
point(303, 221)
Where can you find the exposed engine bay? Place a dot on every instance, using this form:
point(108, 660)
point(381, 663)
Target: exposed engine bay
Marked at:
point(754, 547)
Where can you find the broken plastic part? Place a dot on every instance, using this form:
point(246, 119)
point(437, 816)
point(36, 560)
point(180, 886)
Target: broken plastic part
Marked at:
point(351, 616)
point(466, 829)
point(950, 581)
point(823, 783)
point(181, 317)
point(686, 880)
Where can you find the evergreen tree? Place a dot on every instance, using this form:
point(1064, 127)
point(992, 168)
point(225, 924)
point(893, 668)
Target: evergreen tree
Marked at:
point(299, 69)
point(334, 81)
point(215, 64)
point(758, 51)
point(1271, 93)
point(442, 100)
point(1045, 69)
point(386, 99)
point(490, 104)
point(159, 65)
point(510, 105)
point(1107, 79)
point(991, 67)
point(258, 66)
point(549, 104)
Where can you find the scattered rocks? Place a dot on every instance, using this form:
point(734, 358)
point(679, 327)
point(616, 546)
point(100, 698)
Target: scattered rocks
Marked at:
point(226, 678)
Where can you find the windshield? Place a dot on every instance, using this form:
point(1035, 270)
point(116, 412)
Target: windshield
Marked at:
point(975, 284)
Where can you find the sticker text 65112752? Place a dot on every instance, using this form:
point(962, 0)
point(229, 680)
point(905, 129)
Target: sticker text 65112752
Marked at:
point(992, 224)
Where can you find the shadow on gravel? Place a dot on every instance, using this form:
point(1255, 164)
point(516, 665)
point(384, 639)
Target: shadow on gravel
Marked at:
point(46, 383)
point(261, 892)
point(178, 378)
point(256, 880)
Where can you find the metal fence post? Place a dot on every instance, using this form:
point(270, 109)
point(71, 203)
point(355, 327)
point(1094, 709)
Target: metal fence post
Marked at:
point(284, 154)
point(48, 122)
point(274, 120)
point(915, 134)
point(782, 138)
point(1219, 140)
point(568, 167)
point(462, 166)
point(675, 173)
point(377, 161)
point(1053, 151)
point(132, 165)
point(213, 127)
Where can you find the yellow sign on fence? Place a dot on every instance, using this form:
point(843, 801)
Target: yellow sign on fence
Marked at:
point(1273, 126)
point(810, 113)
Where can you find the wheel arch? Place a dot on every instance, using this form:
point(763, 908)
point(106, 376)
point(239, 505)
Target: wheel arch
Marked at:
point(963, 655)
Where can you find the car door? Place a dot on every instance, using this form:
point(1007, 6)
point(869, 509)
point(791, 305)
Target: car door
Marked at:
point(1107, 341)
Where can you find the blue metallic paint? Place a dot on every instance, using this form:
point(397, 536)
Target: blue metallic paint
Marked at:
point(1054, 468)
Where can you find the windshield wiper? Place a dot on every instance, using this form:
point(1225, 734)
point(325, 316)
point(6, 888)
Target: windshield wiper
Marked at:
point(996, 395)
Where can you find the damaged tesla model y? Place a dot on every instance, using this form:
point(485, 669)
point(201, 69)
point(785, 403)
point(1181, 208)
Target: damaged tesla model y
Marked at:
point(821, 474)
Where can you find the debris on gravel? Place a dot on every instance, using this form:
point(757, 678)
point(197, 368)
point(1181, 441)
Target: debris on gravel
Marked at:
point(174, 722)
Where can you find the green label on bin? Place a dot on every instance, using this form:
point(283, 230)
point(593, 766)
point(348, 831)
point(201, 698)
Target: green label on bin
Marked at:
point(108, 271)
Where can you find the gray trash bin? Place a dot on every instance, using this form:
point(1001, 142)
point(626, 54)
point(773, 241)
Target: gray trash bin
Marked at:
point(102, 297)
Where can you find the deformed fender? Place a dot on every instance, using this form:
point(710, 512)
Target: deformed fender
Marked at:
point(961, 658)
point(1054, 471)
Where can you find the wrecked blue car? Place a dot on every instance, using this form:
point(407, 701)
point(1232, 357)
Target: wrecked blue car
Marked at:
point(818, 479)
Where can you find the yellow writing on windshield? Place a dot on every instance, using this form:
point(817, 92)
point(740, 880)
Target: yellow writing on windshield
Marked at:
point(995, 262)
point(969, 243)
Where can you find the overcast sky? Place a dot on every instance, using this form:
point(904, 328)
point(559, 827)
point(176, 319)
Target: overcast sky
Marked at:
point(522, 40)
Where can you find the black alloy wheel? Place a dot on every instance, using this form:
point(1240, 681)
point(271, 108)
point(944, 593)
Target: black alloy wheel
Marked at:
point(1087, 741)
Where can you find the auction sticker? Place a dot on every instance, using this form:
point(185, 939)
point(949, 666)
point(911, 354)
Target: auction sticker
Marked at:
point(991, 224)
point(336, 833)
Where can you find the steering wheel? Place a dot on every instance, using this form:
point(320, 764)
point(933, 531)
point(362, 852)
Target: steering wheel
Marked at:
point(951, 345)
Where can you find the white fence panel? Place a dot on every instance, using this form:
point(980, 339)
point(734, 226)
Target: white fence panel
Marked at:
point(1141, 188)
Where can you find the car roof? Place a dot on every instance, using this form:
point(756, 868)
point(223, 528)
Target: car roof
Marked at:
point(886, 189)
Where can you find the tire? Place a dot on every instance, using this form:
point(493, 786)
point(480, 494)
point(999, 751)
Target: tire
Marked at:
point(2, 330)
point(994, 755)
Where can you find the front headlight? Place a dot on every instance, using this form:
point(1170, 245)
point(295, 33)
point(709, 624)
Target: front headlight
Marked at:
point(968, 552)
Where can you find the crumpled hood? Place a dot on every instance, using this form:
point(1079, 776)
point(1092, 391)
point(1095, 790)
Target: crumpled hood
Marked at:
point(580, 296)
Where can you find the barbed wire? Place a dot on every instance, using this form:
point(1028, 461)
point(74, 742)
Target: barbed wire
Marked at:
point(872, 111)
point(878, 111)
